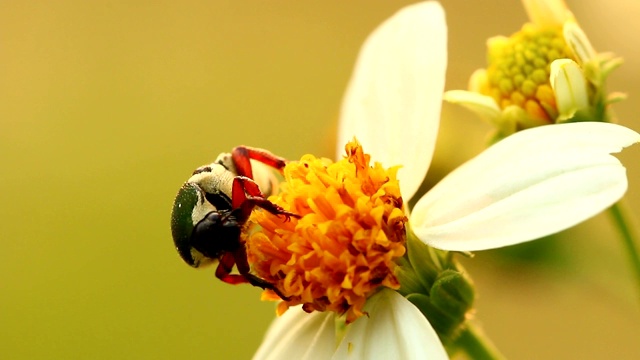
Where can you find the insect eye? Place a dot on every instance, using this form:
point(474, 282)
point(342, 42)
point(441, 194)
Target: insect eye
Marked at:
point(220, 200)
point(201, 170)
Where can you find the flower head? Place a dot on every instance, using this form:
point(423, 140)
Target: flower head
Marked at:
point(546, 73)
point(534, 183)
point(346, 243)
point(518, 71)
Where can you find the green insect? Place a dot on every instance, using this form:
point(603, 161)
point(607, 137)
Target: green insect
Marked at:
point(212, 207)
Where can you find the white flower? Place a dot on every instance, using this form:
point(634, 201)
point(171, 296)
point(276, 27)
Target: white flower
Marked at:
point(546, 73)
point(534, 183)
point(394, 329)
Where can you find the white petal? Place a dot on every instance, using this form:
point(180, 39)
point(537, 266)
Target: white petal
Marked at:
point(484, 106)
point(298, 335)
point(393, 101)
point(531, 184)
point(394, 329)
point(547, 12)
point(570, 87)
point(578, 42)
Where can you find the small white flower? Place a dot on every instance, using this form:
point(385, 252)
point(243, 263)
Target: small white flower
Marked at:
point(546, 73)
point(532, 184)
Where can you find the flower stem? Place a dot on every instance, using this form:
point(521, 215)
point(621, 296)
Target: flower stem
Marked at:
point(624, 222)
point(476, 345)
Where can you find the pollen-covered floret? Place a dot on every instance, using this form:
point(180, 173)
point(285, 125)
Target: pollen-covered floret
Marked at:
point(519, 68)
point(345, 244)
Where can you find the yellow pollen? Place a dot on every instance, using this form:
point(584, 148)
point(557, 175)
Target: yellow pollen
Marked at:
point(345, 245)
point(519, 68)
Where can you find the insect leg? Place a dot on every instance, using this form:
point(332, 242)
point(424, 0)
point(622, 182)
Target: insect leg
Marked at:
point(246, 195)
point(244, 269)
point(223, 272)
point(241, 155)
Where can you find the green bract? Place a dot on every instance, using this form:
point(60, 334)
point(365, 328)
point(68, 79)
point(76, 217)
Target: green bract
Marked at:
point(437, 285)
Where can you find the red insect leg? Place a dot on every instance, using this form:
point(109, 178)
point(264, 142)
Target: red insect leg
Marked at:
point(244, 269)
point(246, 195)
point(223, 272)
point(239, 258)
point(242, 154)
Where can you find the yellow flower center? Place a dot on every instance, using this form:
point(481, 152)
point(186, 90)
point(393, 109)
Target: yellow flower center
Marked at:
point(519, 67)
point(345, 245)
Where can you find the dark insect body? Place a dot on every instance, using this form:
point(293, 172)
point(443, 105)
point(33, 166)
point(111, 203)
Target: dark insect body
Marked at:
point(212, 207)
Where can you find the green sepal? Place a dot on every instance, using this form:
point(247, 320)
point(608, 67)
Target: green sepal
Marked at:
point(453, 293)
point(609, 64)
point(615, 97)
point(436, 284)
point(424, 260)
point(444, 325)
point(409, 282)
point(446, 307)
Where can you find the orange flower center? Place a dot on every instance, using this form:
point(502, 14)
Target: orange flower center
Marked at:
point(345, 245)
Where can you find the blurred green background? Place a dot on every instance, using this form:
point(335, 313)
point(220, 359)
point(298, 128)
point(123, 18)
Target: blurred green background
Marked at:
point(107, 106)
